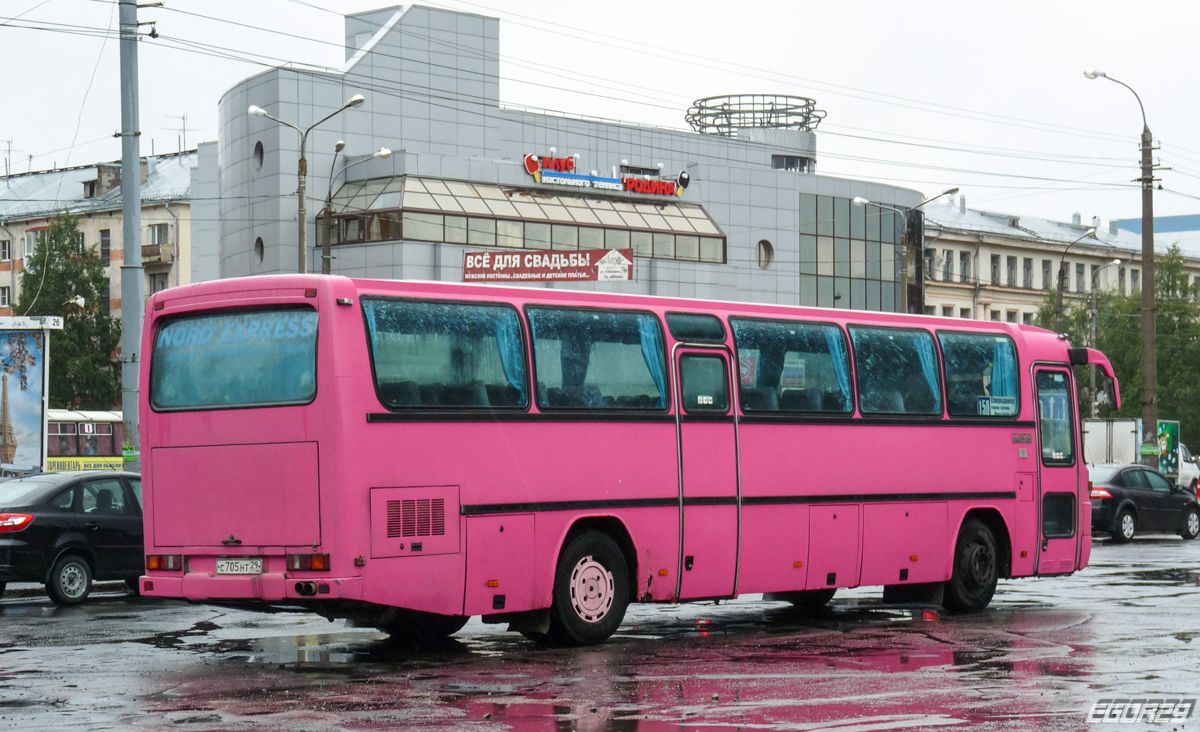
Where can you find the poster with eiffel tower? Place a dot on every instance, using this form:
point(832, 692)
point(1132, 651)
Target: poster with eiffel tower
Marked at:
point(24, 382)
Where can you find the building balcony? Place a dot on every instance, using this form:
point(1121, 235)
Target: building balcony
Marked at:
point(156, 253)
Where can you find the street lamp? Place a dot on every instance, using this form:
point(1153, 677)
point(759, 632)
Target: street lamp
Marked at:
point(1149, 333)
point(302, 168)
point(326, 246)
point(1062, 277)
point(918, 261)
point(1092, 333)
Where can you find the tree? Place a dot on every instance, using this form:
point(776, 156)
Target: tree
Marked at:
point(84, 370)
point(1119, 336)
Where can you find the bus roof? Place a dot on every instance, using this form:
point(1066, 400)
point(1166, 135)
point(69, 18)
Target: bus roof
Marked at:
point(71, 415)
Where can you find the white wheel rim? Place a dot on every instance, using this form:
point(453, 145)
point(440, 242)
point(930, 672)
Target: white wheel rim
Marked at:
point(1127, 526)
point(72, 580)
point(1193, 525)
point(591, 590)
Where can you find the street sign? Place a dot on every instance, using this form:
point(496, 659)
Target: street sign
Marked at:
point(129, 453)
point(31, 322)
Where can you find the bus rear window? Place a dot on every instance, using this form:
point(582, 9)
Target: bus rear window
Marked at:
point(429, 354)
point(244, 359)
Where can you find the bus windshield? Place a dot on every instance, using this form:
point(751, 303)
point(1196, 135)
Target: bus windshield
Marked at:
point(256, 358)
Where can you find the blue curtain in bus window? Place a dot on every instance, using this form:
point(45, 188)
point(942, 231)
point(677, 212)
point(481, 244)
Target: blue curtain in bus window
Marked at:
point(929, 367)
point(512, 353)
point(837, 353)
point(1004, 370)
point(652, 349)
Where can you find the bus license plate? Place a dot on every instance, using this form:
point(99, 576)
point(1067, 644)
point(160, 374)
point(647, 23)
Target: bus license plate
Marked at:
point(244, 565)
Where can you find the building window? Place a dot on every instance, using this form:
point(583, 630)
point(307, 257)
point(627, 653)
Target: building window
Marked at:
point(947, 265)
point(1078, 278)
point(1027, 274)
point(947, 311)
point(964, 313)
point(1027, 318)
point(996, 315)
point(5, 297)
point(1094, 284)
point(258, 155)
point(105, 246)
point(995, 269)
point(34, 239)
point(5, 250)
point(105, 302)
point(1011, 316)
point(1045, 274)
point(964, 267)
point(1011, 280)
point(258, 249)
point(930, 310)
point(766, 253)
point(160, 234)
point(930, 264)
point(790, 162)
point(158, 282)
point(1121, 280)
point(1135, 281)
point(636, 171)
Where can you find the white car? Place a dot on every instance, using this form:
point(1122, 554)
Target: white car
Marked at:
point(1189, 471)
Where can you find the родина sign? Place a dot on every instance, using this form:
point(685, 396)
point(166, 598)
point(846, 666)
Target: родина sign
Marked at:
point(587, 265)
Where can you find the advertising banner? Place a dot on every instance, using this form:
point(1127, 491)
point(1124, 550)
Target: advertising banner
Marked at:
point(22, 387)
point(585, 265)
point(1168, 447)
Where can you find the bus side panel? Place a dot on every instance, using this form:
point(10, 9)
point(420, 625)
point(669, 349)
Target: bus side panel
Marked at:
point(557, 471)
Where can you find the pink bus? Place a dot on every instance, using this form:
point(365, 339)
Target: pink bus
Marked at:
point(407, 455)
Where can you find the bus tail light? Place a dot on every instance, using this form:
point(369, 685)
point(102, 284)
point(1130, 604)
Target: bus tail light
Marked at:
point(12, 522)
point(1100, 493)
point(308, 562)
point(164, 562)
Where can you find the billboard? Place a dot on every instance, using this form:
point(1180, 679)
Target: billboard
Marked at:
point(583, 265)
point(22, 397)
point(1168, 447)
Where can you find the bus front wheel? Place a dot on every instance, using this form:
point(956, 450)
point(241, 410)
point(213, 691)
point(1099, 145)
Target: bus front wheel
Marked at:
point(591, 592)
point(976, 569)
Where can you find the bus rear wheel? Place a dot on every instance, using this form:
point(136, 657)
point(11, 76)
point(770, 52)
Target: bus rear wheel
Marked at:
point(976, 569)
point(591, 592)
point(423, 628)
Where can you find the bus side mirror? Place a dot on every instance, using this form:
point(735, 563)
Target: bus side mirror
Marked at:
point(1108, 397)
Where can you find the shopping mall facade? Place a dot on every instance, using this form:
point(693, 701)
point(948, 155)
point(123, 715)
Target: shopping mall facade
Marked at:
point(730, 210)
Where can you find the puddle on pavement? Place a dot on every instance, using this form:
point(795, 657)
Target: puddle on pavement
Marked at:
point(1168, 576)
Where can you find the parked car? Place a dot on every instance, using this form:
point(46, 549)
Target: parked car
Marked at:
point(1189, 469)
point(1131, 498)
point(67, 529)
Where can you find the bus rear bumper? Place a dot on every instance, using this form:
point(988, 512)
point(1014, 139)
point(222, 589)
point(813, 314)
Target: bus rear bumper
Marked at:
point(269, 586)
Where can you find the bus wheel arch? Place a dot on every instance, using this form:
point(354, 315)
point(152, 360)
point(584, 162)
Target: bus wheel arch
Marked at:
point(994, 520)
point(616, 530)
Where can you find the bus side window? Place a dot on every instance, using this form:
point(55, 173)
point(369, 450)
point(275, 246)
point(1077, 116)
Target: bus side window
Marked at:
point(589, 359)
point(432, 354)
point(61, 439)
point(981, 375)
point(792, 367)
point(898, 371)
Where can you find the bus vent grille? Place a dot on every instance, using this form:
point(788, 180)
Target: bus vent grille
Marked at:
point(416, 517)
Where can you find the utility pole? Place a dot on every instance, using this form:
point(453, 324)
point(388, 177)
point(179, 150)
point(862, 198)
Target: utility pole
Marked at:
point(133, 286)
point(1149, 322)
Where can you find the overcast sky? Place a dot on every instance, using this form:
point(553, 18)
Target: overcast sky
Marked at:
point(987, 96)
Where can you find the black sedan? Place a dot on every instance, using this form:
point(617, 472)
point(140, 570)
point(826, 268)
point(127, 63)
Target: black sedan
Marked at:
point(1131, 498)
point(66, 529)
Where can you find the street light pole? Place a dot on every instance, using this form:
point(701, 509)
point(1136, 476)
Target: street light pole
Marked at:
point(1062, 278)
point(1092, 341)
point(327, 244)
point(302, 171)
point(918, 258)
point(1149, 324)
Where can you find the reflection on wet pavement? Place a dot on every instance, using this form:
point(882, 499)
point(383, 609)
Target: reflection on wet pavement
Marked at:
point(1038, 659)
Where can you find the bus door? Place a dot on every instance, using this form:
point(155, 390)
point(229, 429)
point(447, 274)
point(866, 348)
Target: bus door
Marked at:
point(708, 485)
point(1058, 468)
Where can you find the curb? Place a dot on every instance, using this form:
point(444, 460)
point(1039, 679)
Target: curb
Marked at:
point(30, 590)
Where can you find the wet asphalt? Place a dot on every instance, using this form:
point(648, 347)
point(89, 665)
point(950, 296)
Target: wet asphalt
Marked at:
point(1046, 650)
